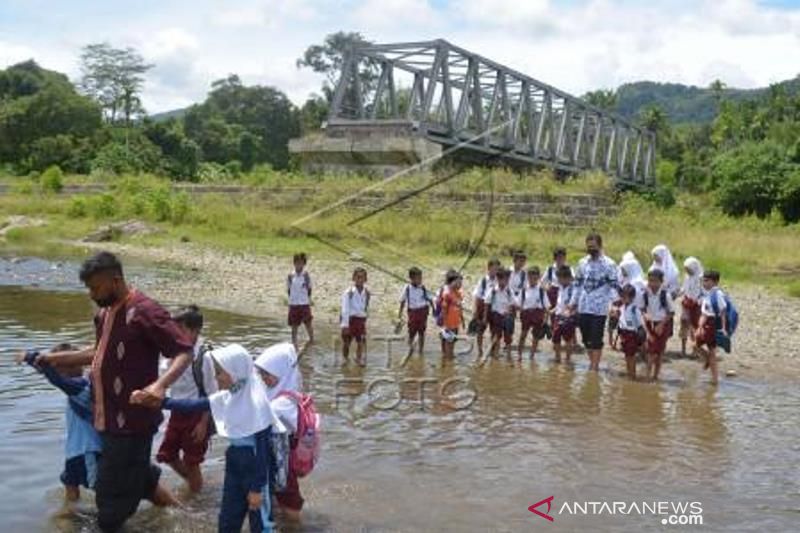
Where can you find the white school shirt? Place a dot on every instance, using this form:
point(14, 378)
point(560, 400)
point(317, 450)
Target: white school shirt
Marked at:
point(299, 286)
point(286, 410)
point(534, 298)
point(692, 288)
point(596, 282)
point(565, 297)
point(654, 310)
point(501, 300)
point(354, 303)
point(518, 281)
point(185, 388)
point(630, 318)
point(418, 297)
point(483, 287)
point(707, 308)
point(551, 276)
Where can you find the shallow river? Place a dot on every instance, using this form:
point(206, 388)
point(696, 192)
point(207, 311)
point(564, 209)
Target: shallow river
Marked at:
point(473, 454)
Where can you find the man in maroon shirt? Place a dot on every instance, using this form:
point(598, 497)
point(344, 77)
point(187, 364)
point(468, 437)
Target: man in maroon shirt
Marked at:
point(131, 332)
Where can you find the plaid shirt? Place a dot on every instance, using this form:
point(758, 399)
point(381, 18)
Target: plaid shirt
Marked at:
point(596, 284)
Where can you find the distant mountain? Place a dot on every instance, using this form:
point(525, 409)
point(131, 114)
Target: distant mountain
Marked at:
point(683, 103)
point(166, 115)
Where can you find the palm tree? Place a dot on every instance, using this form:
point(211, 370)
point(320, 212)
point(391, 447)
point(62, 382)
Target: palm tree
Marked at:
point(717, 88)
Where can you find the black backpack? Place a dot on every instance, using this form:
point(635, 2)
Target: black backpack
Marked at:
point(197, 374)
point(662, 296)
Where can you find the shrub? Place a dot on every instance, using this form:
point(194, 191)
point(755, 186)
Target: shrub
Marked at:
point(133, 156)
point(78, 207)
point(210, 172)
point(52, 179)
point(102, 206)
point(789, 199)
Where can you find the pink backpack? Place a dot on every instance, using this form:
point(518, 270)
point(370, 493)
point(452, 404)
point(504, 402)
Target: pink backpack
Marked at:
point(305, 454)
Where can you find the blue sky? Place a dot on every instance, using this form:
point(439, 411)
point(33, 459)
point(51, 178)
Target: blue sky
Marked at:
point(576, 45)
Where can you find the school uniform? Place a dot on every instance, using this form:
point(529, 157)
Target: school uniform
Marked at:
point(417, 300)
point(479, 297)
point(298, 287)
point(658, 308)
point(518, 281)
point(533, 302)
point(197, 381)
point(692, 291)
point(500, 303)
point(564, 324)
point(353, 319)
point(629, 326)
point(550, 282)
point(708, 335)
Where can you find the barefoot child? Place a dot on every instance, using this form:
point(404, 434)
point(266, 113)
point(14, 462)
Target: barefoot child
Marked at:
point(479, 304)
point(419, 302)
point(663, 261)
point(550, 279)
point(499, 312)
point(452, 313)
point(631, 328)
point(242, 413)
point(691, 293)
point(711, 322)
point(353, 321)
point(189, 433)
point(533, 304)
point(564, 321)
point(298, 287)
point(658, 314)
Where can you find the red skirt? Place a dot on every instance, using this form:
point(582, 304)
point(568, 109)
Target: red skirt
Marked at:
point(630, 342)
point(692, 311)
point(417, 321)
point(708, 335)
point(357, 329)
point(552, 295)
point(658, 344)
point(178, 437)
point(563, 328)
point(299, 314)
point(497, 325)
point(533, 319)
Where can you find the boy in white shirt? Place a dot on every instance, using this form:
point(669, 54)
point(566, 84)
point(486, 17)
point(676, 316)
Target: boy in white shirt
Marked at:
point(499, 312)
point(631, 328)
point(659, 311)
point(711, 321)
point(353, 319)
point(298, 287)
point(486, 283)
point(533, 304)
point(550, 278)
point(564, 321)
point(418, 301)
point(190, 432)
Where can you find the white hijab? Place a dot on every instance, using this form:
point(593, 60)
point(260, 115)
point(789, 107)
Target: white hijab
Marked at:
point(625, 278)
point(632, 271)
point(693, 283)
point(244, 409)
point(667, 266)
point(280, 360)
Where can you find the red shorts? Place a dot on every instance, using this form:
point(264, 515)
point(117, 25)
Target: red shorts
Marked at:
point(417, 321)
point(630, 343)
point(563, 328)
point(552, 295)
point(708, 335)
point(356, 329)
point(179, 437)
point(480, 308)
point(290, 497)
point(497, 325)
point(532, 319)
point(299, 314)
point(659, 342)
point(692, 311)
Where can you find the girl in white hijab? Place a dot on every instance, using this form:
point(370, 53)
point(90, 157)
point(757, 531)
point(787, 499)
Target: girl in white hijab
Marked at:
point(626, 257)
point(242, 413)
point(662, 260)
point(691, 291)
point(277, 366)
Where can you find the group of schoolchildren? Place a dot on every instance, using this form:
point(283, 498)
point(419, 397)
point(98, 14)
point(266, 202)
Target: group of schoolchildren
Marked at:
point(640, 320)
point(257, 404)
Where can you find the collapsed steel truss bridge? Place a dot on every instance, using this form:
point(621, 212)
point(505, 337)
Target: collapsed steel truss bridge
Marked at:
point(454, 97)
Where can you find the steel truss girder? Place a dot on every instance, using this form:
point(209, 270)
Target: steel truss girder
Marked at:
point(456, 95)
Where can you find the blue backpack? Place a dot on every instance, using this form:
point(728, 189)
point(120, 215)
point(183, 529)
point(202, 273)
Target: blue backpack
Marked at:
point(731, 313)
point(438, 317)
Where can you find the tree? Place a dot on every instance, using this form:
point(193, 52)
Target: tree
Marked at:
point(313, 113)
point(654, 119)
point(717, 88)
point(327, 58)
point(114, 77)
point(603, 98)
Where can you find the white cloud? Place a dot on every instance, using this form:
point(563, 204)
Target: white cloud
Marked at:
point(394, 14)
point(11, 53)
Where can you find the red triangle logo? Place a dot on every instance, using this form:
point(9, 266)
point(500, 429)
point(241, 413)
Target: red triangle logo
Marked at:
point(534, 510)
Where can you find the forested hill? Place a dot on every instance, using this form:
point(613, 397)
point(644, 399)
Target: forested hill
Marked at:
point(683, 103)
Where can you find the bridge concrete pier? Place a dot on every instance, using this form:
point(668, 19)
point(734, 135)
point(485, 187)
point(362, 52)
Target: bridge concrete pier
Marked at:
point(374, 147)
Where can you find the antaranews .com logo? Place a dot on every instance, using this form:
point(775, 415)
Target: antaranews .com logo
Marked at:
point(668, 512)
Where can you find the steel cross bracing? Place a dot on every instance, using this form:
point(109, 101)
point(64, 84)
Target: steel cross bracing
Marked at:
point(452, 95)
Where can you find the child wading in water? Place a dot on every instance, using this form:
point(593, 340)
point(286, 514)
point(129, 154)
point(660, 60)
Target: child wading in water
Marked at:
point(564, 320)
point(533, 303)
point(711, 322)
point(631, 328)
point(499, 313)
point(355, 304)
point(452, 313)
point(482, 289)
point(190, 432)
point(298, 287)
point(242, 413)
point(277, 366)
point(659, 312)
point(418, 301)
point(691, 292)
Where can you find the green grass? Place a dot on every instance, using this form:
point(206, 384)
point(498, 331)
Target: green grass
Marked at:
point(746, 250)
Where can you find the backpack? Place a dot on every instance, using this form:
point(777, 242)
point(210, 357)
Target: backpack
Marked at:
point(305, 453)
point(731, 313)
point(541, 297)
point(351, 292)
point(662, 296)
point(306, 282)
point(438, 317)
point(523, 279)
point(197, 374)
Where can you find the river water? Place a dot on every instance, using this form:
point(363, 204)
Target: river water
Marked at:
point(472, 454)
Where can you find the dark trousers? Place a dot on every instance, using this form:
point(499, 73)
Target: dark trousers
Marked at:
point(125, 476)
point(239, 461)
